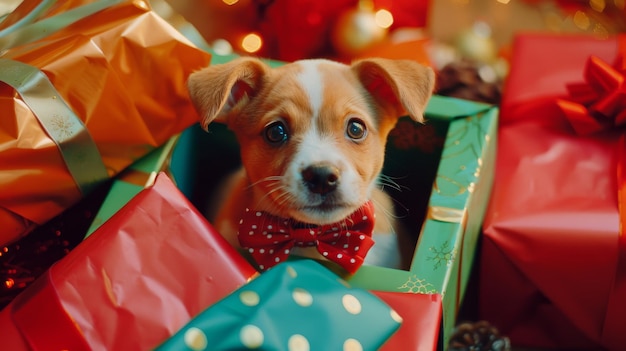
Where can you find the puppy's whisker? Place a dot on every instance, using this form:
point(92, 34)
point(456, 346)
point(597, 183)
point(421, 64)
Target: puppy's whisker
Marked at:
point(279, 195)
point(387, 216)
point(273, 189)
point(276, 179)
point(387, 212)
point(385, 180)
point(284, 198)
point(273, 186)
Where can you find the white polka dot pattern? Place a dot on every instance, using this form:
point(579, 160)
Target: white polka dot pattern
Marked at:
point(351, 304)
point(298, 342)
point(251, 336)
point(195, 339)
point(292, 272)
point(395, 316)
point(268, 313)
point(352, 345)
point(249, 298)
point(302, 297)
point(269, 239)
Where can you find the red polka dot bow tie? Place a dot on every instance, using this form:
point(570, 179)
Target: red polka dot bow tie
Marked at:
point(269, 239)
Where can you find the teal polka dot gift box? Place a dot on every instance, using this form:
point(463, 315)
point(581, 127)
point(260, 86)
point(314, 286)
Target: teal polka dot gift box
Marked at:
point(296, 306)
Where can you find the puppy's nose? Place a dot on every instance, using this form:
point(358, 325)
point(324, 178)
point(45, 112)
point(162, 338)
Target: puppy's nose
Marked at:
point(321, 179)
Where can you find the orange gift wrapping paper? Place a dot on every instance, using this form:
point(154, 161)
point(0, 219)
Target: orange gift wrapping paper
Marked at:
point(121, 70)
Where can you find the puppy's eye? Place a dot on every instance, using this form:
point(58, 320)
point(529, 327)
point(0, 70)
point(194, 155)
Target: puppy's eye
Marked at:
point(356, 129)
point(276, 132)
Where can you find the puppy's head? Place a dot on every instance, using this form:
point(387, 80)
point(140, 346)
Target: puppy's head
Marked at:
point(312, 133)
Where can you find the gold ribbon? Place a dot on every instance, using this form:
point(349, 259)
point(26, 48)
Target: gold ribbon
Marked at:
point(143, 178)
point(77, 148)
point(26, 30)
point(446, 214)
point(137, 177)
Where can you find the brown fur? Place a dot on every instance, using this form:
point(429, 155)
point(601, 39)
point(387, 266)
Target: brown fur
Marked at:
point(247, 95)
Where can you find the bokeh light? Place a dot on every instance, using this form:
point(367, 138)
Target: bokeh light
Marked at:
point(252, 43)
point(581, 20)
point(222, 47)
point(384, 18)
point(597, 5)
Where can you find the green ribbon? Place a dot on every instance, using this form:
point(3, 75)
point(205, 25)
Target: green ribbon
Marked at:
point(78, 149)
point(25, 31)
point(29, 18)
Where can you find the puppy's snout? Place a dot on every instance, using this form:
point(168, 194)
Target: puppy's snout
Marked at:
point(321, 179)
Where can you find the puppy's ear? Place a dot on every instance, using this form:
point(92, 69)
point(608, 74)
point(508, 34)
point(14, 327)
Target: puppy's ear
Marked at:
point(399, 86)
point(220, 89)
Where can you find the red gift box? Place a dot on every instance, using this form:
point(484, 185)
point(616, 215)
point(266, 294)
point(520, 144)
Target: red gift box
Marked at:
point(552, 256)
point(421, 316)
point(130, 285)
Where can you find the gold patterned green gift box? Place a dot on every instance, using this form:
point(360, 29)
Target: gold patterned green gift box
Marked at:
point(445, 169)
point(443, 172)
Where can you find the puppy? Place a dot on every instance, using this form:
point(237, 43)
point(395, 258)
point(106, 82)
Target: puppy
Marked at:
point(312, 136)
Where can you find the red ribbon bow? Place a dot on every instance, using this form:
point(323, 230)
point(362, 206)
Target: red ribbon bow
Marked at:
point(600, 102)
point(269, 239)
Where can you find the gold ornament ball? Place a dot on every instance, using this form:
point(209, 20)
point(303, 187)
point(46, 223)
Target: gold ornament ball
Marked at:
point(356, 31)
point(476, 47)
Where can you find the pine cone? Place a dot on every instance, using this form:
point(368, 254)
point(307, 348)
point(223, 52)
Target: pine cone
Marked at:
point(479, 336)
point(463, 80)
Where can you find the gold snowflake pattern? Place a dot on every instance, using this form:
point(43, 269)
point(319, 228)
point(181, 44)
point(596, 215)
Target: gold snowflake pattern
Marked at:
point(442, 255)
point(62, 126)
point(418, 286)
point(453, 145)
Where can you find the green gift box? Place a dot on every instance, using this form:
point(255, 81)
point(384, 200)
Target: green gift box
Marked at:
point(451, 158)
point(297, 305)
point(443, 171)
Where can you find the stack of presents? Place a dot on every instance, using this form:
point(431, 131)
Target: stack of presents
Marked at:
point(516, 208)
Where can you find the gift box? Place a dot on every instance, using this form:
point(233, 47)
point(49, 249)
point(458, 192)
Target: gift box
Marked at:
point(298, 305)
point(24, 260)
point(86, 88)
point(552, 263)
point(444, 169)
point(445, 188)
point(133, 283)
point(132, 180)
point(420, 327)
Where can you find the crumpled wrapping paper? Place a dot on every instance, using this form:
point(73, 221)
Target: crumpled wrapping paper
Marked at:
point(132, 284)
point(83, 102)
point(421, 313)
point(552, 265)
